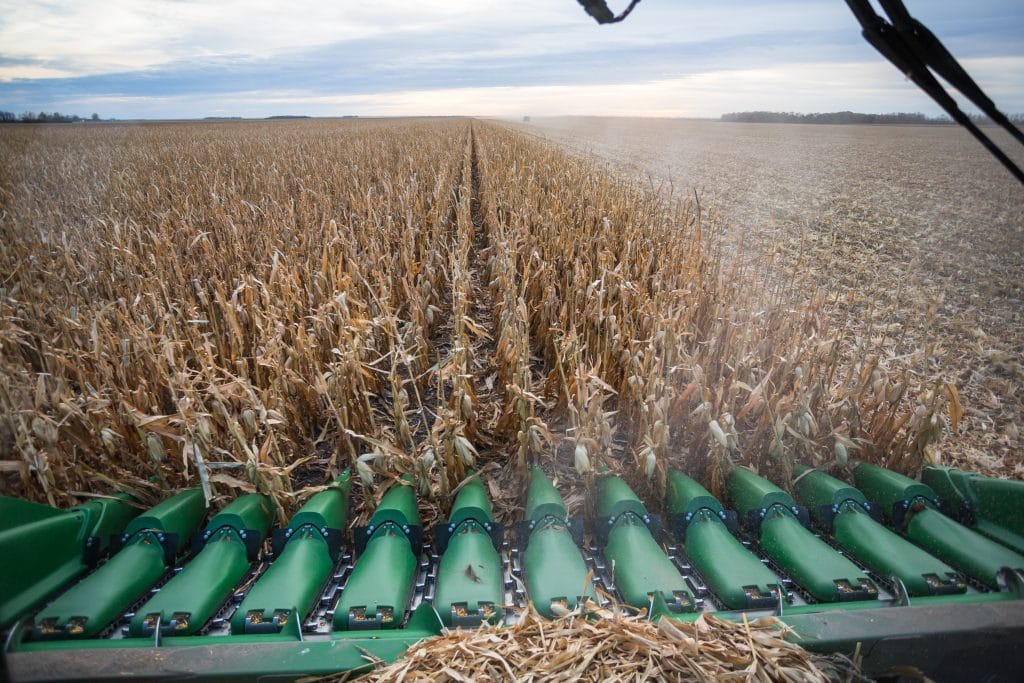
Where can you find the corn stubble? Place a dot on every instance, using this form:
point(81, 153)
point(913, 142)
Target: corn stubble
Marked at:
point(620, 648)
point(255, 306)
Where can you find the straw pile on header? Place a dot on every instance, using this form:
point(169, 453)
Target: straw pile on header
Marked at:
point(618, 649)
point(256, 306)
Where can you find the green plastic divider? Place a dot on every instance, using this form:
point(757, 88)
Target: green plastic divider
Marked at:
point(177, 516)
point(286, 591)
point(471, 502)
point(911, 508)
point(186, 602)
point(326, 509)
point(542, 498)
point(615, 497)
point(469, 580)
point(380, 586)
point(992, 507)
point(843, 510)
point(976, 555)
point(750, 492)
point(890, 555)
point(894, 492)
point(771, 515)
point(639, 565)
point(736, 576)
point(553, 565)
point(824, 573)
point(89, 606)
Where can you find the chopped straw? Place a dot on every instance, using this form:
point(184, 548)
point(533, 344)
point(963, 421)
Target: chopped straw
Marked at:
point(623, 648)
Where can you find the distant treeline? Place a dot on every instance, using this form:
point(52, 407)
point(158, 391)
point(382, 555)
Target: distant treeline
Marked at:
point(43, 117)
point(840, 117)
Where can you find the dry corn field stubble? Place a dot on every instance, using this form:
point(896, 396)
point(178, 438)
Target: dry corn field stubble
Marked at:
point(255, 306)
point(914, 235)
point(617, 649)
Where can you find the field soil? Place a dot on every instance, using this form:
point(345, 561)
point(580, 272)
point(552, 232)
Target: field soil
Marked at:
point(914, 233)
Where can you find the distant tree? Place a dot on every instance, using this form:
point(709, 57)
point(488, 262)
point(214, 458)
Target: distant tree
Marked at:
point(7, 116)
point(28, 117)
point(95, 116)
point(836, 117)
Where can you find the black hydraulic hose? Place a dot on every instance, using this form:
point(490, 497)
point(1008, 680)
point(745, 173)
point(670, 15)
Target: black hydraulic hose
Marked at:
point(885, 38)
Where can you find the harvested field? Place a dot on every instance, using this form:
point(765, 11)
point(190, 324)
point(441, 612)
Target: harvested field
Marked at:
point(914, 234)
point(254, 306)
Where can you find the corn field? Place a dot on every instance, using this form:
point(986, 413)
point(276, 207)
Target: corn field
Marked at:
point(256, 306)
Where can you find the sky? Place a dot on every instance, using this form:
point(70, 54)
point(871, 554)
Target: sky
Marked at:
point(254, 58)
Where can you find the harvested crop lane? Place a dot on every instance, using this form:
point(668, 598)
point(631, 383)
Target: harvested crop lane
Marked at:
point(481, 310)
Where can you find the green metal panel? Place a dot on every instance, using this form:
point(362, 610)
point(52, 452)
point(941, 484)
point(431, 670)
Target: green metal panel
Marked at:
point(380, 586)
point(179, 514)
point(824, 573)
point(554, 568)
point(92, 604)
point(888, 488)
point(50, 547)
point(750, 492)
point(640, 566)
point(471, 503)
point(615, 497)
point(815, 490)
point(326, 509)
point(288, 588)
point(891, 555)
point(970, 552)
point(398, 505)
point(469, 580)
point(968, 642)
point(542, 498)
point(191, 597)
point(218, 658)
point(251, 511)
point(961, 643)
point(735, 575)
point(686, 496)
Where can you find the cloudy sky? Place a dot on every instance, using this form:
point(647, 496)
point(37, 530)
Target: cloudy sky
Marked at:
point(193, 58)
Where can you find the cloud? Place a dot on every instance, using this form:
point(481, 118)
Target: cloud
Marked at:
point(793, 87)
point(145, 58)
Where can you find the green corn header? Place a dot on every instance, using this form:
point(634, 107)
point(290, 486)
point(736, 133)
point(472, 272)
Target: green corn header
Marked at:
point(924, 573)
